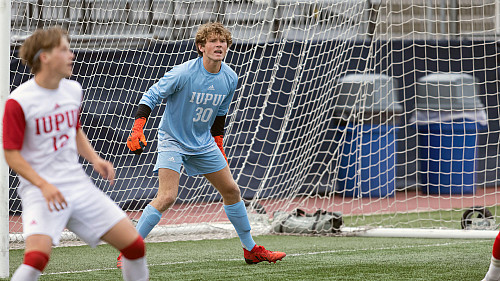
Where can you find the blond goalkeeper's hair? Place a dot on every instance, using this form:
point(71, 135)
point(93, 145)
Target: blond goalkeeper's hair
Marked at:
point(42, 40)
point(212, 28)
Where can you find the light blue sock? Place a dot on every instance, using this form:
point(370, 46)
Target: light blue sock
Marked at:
point(237, 215)
point(149, 218)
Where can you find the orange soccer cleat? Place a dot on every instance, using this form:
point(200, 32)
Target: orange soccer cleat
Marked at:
point(119, 261)
point(259, 253)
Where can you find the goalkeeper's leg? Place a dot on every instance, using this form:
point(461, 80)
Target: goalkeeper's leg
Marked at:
point(493, 273)
point(165, 198)
point(233, 205)
point(237, 214)
point(167, 193)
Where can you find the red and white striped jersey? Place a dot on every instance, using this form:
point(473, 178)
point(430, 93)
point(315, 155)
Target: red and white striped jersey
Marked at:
point(42, 124)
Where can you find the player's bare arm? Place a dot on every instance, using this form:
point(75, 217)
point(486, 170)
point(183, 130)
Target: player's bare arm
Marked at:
point(85, 149)
point(55, 199)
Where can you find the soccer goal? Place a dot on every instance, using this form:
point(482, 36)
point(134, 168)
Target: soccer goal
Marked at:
point(384, 111)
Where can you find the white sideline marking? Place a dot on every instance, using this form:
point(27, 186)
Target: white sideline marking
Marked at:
point(387, 248)
point(289, 255)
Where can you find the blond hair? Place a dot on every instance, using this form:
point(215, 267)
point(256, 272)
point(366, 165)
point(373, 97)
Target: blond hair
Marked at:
point(42, 40)
point(212, 28)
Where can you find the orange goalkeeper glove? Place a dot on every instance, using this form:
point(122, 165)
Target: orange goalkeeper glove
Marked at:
point(218, 141)
point(136, 142)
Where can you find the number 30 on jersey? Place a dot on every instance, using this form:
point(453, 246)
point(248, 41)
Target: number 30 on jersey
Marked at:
point(203, 114)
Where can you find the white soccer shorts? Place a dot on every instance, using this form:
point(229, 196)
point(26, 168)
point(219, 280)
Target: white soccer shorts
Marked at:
point(90, 213)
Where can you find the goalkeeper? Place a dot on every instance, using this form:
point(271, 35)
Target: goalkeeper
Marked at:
point(197, 94)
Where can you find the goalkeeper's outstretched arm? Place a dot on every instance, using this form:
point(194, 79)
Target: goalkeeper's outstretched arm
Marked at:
point(136, 142)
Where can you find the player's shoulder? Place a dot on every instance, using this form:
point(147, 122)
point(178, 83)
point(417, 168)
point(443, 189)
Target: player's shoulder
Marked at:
point(229, 71)
point(187, 67)
point(182, 72)
point(72, 88)
point(71, 85)
point(26, 90)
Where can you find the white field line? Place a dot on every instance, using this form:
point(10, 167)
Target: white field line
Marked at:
point(292, 255)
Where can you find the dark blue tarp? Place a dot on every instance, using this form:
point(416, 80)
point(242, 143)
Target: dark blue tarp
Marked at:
point(123, 76)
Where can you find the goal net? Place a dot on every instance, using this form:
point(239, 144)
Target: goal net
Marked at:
point(384, 111)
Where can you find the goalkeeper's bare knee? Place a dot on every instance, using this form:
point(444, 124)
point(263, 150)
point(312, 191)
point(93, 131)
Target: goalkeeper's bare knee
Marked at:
point(162, 202)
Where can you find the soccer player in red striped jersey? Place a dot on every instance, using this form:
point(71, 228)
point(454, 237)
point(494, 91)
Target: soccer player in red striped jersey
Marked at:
point(42, 139)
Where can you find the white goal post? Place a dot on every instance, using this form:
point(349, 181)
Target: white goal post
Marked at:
point(4, 170)
point(385, 111)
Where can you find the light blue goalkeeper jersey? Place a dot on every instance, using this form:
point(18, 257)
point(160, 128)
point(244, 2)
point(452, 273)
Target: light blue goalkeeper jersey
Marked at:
point(193, 97)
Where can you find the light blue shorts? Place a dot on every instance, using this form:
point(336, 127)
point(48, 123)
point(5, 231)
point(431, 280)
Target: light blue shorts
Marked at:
point(199, 164)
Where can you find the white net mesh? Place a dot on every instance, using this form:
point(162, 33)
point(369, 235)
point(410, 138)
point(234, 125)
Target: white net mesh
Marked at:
point(325, 114)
